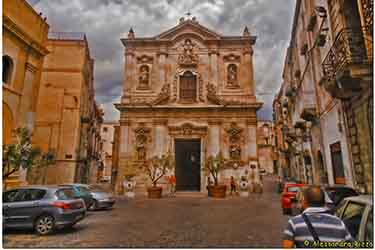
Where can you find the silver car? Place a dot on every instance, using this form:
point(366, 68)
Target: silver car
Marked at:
point(357, 214)
point(43, 208)
point(102, 199)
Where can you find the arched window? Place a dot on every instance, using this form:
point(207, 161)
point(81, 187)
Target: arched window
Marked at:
point(7, 69)
point(188, 87)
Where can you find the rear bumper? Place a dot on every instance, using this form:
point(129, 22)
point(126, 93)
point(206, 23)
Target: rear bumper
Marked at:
point(69, 218)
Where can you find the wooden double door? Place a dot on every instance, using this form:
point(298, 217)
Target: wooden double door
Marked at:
point(188, 165)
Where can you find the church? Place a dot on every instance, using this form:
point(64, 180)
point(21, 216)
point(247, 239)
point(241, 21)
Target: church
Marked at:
point(189, 91)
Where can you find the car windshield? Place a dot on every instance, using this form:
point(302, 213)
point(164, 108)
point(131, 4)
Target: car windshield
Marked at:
point(83, 190)
point(65, 194)
point(293, 189)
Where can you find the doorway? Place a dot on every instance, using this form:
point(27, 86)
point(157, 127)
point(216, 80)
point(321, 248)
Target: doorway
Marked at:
point(188, 169)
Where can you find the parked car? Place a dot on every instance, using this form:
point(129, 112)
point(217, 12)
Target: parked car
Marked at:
point(43, 208)
point(102, 199)
point(82, 192)
point(337, 193)
point(288, 196)
point(333, 195)
point(357, 214)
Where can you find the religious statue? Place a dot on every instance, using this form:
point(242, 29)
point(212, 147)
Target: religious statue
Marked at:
point(188, 56)
point(232, 75)
point(235, 152)
point(144, 77)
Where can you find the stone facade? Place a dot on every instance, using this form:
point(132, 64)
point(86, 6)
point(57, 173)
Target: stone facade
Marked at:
point(316, 119)
point(188, 83)
point(68, 119)
point(349, 78)
point(24, 48)
point(266, 147)
point(107, 140)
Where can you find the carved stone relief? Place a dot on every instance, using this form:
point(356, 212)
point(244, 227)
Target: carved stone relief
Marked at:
point(235, 141)
point(188, 56)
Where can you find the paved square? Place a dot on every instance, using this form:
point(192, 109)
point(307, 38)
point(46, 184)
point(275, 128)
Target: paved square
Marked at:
point(256, 221)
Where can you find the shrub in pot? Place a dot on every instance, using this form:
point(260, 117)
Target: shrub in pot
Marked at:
point(213, 166)
point(156, 168)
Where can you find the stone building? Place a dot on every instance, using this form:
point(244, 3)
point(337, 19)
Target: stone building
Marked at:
point(107, 139)
point(348, 77)
point(68, 119)
point(24, 48)
point(313, 136)
point(266, 147)
point(191, 92)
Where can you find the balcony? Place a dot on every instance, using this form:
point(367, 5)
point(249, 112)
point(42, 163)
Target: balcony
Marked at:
point(347, 62)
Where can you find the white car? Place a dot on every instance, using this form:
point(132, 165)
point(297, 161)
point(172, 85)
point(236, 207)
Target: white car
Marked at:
point(356, 212)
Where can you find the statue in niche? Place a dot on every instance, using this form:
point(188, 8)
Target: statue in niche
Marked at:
point(141, 153)
point(144, 77)
point(235, 152)
point(232, 76)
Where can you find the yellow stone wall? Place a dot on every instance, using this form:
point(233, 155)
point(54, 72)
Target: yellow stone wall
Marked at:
point(65, 86)
point(24, 41)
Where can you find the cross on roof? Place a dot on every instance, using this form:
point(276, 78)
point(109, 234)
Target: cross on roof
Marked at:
point(188, 14)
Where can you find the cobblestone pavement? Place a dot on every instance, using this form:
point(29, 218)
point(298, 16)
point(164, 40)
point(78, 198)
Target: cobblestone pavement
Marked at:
point(256, 221)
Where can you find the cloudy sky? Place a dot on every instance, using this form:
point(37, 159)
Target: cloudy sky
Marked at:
point(106, 21)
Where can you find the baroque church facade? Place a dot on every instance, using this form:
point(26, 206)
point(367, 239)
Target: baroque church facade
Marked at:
point(191, 92)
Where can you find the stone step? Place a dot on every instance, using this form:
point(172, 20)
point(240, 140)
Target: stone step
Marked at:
point(190, 194)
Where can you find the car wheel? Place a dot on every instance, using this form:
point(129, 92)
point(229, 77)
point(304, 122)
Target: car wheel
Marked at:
point(95, 205)
point(44, 225)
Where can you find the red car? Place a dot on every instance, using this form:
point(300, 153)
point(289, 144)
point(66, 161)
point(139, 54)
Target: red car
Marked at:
point(288, 196)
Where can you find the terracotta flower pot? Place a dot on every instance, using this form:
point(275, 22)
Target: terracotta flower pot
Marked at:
point(218, 191)
point(154, 192)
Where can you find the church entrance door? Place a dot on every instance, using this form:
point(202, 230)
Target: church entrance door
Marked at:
point(188, 154)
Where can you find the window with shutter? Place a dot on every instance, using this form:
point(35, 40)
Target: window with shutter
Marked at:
point(188, 87)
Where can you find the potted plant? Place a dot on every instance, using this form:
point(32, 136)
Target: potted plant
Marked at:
point(213, 166)
point(244, 187)
point(156, 168)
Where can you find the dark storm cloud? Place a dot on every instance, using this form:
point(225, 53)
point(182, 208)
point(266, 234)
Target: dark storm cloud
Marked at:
point(106, 21)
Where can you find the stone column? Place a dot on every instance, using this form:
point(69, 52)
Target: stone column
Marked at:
point(248, 75)
point(252, 147)
point(214, 72)
point(129, 71)
point(162, 70)
point(161, 136)
point(124, 153)
point(213, 147)
point(125, 142)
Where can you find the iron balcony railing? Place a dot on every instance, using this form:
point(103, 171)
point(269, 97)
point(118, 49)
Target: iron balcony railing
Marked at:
point(349, 48)
point(368, 15)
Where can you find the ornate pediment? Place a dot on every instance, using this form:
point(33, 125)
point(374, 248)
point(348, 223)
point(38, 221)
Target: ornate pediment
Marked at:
point(189, 26)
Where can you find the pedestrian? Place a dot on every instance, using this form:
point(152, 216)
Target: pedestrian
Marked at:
point(232, 185)
point(315, 225)
point(172, 183)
